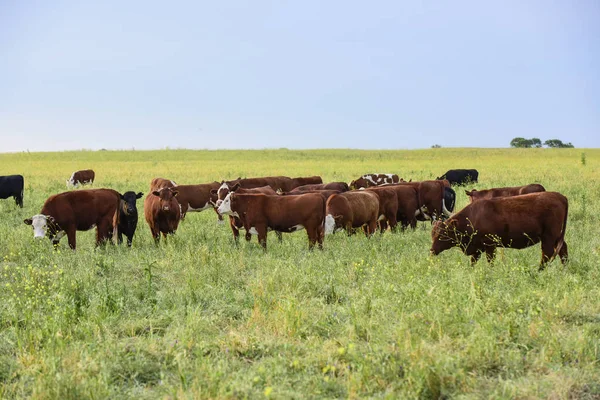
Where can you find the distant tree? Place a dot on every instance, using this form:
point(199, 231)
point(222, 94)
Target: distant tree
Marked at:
point(535, 142)
point(436, 146)
point(556, 143)
point(521, 142)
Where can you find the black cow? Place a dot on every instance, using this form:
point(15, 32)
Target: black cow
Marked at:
point(449, 198)
point(12, 186)
point(128, 216)
point(460, 176)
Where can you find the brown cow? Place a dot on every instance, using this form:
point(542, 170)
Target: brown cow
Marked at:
point(283, 183)
point(388, 207)
point(302, 181)
point(368, 180)
point(514, 222)
point(504, 191)
point(82, 177)
point(234, 222)
point(260, 213)
point(339, 186)
point(162, 212)
point(159, 183)
point(196, 198)
point(65, 213)
point(431, 198)
point(351, 210)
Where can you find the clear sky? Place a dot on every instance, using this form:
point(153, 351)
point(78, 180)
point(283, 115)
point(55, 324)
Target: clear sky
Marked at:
point(297, 74)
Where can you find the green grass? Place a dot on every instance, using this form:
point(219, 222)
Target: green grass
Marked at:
point(197, 317)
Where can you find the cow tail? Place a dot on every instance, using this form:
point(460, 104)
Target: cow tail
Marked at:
point(116, 220)
point(561, 239)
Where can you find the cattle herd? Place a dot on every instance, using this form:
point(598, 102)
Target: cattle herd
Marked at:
point(511, 217)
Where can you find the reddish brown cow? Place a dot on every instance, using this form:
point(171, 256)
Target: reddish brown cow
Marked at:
point(351, 210)
point(196, 198)
point(302, 181)
point(504, 191)
point(368, 180)
point(283, 183)
point(82, 177)
point(514, 222)
point(159, 183)
point(388, 207)
point(65, 213)
point(431, 198)
point(162, 212)
point(339, 186)
point(260, 213)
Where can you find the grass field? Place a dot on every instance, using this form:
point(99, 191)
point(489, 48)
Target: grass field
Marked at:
point(197, 317)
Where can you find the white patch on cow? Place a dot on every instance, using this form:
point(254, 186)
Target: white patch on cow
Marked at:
point(329, 224)
point(423, 211)
point(381, 217)
point(253, 231)
point(220, 221)
point(295, 228)
point(40, 225)
point(60, 235)
point(204, 207)
point(173, 183)
point(370, 179)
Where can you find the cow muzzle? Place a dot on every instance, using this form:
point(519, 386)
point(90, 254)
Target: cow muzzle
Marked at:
point(166, 208)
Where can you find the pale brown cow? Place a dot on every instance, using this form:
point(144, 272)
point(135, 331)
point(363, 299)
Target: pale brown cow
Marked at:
point(80, 178)
point(159, 183)
point(350, 210)
point(162, 212)
point(514, 222)
point(368, 180)
point(65, 213)
point(504, 191)
point(260, 213)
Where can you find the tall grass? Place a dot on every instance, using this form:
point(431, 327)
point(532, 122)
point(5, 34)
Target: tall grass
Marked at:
point(197, 317)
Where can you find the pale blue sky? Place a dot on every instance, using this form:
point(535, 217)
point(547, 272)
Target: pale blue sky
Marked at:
point(302, 74)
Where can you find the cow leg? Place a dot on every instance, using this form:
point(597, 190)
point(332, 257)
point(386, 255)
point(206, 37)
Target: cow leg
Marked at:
point(155, 235)
point(262, 236)
point(321, 235)
point(371, 228)
point(312, 237)
point(129, 240)
point(279, 236)
point(119, 237)
point(103, 230)
point(382, 226)
point(563, 253)
point(393, 222)
point(547, 252)
point(71, 238)
point(490, 253)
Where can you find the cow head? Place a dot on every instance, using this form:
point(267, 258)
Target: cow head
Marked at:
point(128, 200)
point(470, 194)
point(166, 196)
point(224, 190)
point(443, 236)
point(226, 206)
point(45, 225)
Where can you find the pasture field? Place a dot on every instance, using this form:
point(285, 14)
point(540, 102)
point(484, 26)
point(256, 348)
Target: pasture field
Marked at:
point(197, 317)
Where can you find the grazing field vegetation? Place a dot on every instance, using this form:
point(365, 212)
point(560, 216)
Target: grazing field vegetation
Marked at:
point(196, 317)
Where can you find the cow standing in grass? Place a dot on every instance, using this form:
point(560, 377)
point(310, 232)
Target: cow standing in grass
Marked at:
point(128, 217)
point(162, 212)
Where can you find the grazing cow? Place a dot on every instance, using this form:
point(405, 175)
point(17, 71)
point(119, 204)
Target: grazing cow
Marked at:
point(368, 180)
point(12, 186)
point(65, 213)
point(351, 210)
point(196, 198)
point(162, 212)
point(460, 176)
point(128, 216)
point(302, 181)
point(260, 213)
point(504, 191)
point(283, 183)
point(82, 177)
point(159, 183)
point(388, 207)
point(339, 186)
point(432, 199)
point(514, 222)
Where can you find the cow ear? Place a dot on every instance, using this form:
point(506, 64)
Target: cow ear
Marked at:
point(468, 193)
point(236, 187)
point(175, 192)
point(156, 193)
point(28, 221)
point(139, 195)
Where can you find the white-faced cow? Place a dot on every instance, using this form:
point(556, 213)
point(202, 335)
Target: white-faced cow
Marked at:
point(12, 186)
point(504, 192)
point(260, 213)
point(65, 213)
point(514, 222)
point(128, 216)
point(162, 212)
point(80, 178)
